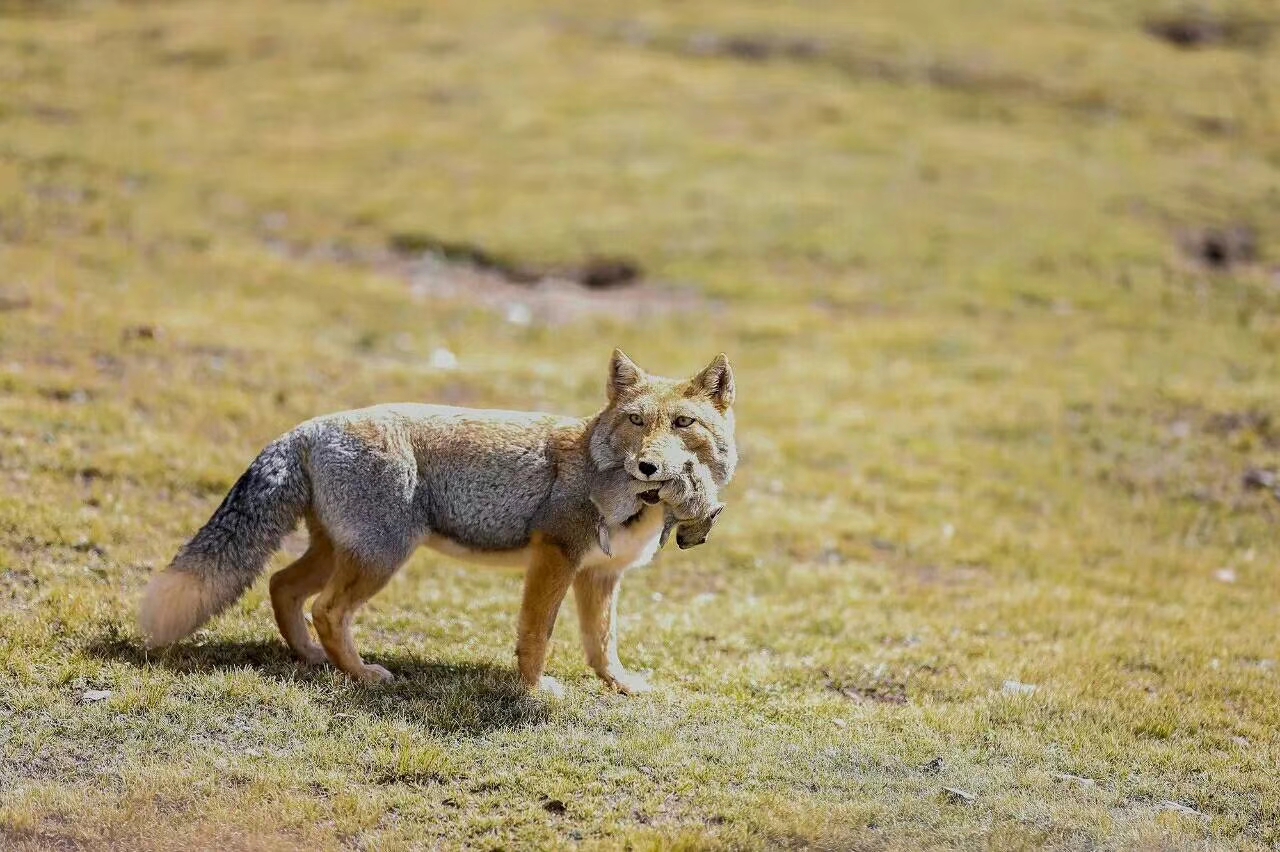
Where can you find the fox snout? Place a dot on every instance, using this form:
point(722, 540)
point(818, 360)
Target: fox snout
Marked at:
point(658, 457)
point(650, 468)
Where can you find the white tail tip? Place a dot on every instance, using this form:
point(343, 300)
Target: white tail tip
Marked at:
point(174, 605)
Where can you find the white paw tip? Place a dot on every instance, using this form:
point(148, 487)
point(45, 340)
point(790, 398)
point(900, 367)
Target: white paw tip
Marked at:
point(552, 687)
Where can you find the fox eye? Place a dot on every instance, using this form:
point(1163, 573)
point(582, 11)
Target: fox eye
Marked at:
point(636, 419)
point(683, 422)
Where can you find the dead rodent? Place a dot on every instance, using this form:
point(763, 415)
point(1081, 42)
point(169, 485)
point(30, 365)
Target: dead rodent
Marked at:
point(691, 501)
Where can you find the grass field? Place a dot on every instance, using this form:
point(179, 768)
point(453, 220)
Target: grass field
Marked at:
point(1001, 285)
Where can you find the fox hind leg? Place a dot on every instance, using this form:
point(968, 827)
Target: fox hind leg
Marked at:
point(353, 582)
point(290, 589)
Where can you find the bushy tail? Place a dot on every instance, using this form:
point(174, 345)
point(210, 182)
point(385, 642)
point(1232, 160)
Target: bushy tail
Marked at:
point(213, 569)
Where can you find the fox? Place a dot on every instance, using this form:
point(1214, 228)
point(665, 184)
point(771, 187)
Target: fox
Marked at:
point(690, 499)
point(485, 485)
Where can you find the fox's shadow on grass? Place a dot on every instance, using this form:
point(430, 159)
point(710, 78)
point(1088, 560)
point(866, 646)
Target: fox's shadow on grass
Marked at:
point(467, 698)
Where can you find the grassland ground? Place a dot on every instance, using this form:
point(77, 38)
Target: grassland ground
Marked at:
point(999, 281)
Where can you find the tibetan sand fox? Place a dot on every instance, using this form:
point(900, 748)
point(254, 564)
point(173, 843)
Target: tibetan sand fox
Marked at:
point(572, 499)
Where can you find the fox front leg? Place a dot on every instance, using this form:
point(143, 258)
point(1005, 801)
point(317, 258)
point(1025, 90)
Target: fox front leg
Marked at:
point(596, 593)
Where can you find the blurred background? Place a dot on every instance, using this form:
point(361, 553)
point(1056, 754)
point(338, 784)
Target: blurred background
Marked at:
point(1001, 286)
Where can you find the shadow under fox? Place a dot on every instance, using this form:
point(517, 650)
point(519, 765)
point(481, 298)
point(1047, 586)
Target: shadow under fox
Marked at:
point(489, 486)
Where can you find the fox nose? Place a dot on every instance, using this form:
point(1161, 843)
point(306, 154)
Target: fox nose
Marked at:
point(648, 468)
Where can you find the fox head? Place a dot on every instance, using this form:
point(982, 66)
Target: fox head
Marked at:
point(653, 426)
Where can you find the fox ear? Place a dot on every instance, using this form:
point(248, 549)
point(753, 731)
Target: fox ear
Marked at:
point(623, 373)
point(717, 382)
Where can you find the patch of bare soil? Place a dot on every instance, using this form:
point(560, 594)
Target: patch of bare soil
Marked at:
point(756, 48)
point(13, 301)
point(1253, 425)
point(1194, 28)
point(526, 294)
point(974, 74)
point(33, 8)
point(549, 301)
point(597, 272)
point(872, 685)
point(1261, 479)
point(1221, 248)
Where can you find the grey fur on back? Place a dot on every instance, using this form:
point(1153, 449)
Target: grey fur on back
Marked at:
point(423, 470)
point(381, 479)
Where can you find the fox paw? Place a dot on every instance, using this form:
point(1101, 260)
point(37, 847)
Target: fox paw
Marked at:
point(628, 683)
point(312, 655)
point(549, 686)
point(373, 674)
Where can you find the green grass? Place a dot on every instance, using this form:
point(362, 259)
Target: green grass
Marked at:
point(993, 418)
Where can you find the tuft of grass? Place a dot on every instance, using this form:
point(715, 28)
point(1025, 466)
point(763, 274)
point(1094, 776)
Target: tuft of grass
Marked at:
point(999, 284)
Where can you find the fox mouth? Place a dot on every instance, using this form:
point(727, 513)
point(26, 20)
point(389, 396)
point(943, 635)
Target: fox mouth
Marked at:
point(651, 497)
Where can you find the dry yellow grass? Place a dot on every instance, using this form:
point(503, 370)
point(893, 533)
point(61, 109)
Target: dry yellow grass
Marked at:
point(994, 415)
